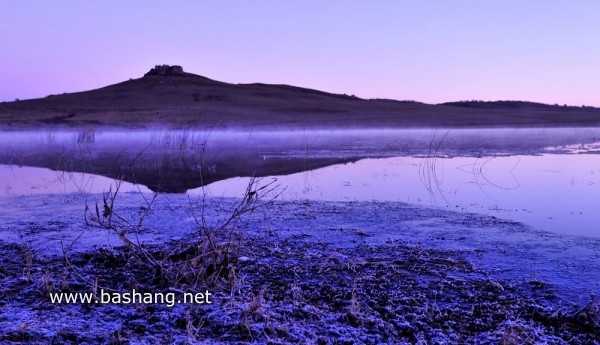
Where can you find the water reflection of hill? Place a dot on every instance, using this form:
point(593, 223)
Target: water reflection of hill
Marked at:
point(175, 161)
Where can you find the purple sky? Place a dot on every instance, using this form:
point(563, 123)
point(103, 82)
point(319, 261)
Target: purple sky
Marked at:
point(430, 51)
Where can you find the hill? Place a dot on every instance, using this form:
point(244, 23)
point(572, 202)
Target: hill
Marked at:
point(168, 96)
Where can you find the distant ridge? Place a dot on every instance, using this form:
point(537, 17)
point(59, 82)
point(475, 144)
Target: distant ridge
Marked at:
point(167, 96)
point(513, 105)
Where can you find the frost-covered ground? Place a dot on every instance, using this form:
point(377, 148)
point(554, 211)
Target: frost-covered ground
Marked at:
point(316, 272)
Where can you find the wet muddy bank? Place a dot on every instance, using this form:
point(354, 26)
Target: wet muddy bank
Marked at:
point(362, 272)
point(293, 291)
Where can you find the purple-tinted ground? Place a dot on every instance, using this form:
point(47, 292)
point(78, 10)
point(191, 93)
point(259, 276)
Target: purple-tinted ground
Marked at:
point(324, 272)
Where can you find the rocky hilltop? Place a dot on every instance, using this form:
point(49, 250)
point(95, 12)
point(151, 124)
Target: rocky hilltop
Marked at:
point(165, 70)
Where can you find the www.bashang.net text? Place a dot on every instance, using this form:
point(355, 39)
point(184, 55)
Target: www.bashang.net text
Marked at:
point(131, 297)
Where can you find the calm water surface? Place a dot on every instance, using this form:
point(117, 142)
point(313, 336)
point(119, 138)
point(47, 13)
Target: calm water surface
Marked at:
point(554, 192)
point(547, 178)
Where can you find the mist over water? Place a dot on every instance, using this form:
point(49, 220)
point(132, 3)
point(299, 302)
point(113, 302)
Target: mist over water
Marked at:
point(546, 178)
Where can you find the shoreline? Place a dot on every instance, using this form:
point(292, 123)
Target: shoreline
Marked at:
point(429, 263)
point(44, 220)
point(336, 126)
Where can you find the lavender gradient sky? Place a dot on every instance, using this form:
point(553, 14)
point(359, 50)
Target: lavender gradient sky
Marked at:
point(430, 51)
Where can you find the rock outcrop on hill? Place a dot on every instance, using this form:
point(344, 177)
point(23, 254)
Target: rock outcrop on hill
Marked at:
point(165, 70)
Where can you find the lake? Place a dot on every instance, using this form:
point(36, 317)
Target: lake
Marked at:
point(546, 178)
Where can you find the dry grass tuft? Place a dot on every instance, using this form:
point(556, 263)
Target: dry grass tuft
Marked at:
point(208, 258)
point(519, 332)
point(590, 313)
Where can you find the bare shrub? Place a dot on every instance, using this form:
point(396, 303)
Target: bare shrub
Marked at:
point(209, 256)
point(217, 246)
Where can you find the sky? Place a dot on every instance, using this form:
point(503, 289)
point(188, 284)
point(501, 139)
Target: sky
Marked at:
point(428, 51)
